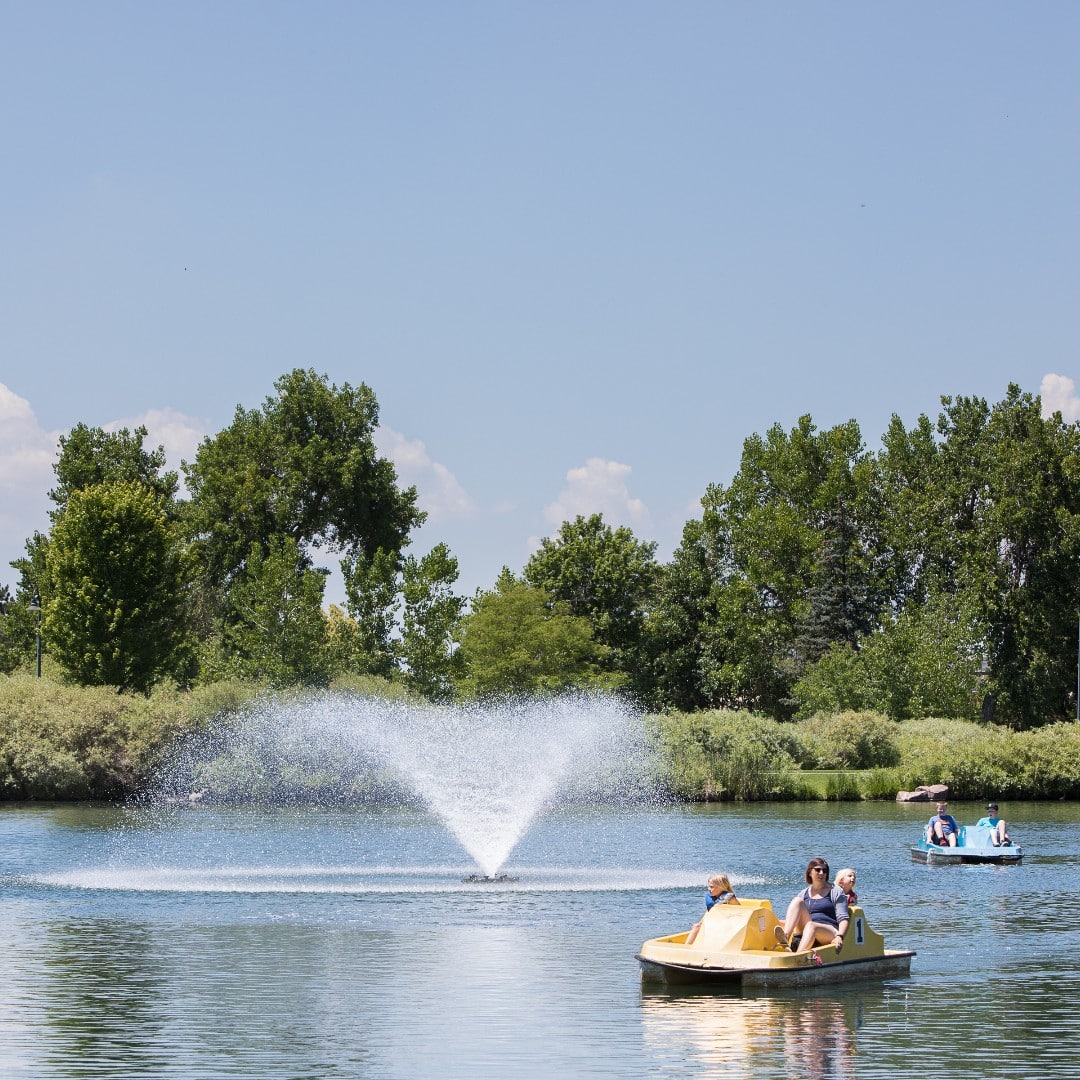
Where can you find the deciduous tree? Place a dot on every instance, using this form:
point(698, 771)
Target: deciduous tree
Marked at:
point(114, 600)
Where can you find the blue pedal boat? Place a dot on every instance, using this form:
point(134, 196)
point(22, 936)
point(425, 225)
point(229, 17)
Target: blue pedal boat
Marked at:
point(974, 845)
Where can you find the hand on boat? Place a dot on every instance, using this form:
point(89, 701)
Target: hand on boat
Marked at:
point(838, 941)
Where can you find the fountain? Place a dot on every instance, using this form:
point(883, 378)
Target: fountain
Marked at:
point(486, 771)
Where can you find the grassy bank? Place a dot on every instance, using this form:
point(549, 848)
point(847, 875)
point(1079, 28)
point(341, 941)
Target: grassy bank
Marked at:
point(65, 742)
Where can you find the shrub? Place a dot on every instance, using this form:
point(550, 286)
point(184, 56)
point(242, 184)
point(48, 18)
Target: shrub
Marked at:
point(848, 740)
point(726, 755)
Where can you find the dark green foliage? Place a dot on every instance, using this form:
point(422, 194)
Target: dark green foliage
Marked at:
point(303, 468)
point(516, 642)
point(365, 641)
point(430, 621)
point(92, 456)
point(275, 630)
point(604, 575)
point(740, 612)
point(114, 611)
point(726, 756)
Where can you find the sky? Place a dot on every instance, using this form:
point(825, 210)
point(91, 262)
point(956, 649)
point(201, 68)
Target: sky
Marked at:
point(579, 249)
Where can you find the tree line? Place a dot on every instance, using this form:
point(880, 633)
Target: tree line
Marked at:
point(935, 576)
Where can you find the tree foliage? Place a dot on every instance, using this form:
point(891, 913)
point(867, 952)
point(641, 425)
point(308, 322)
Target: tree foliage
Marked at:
point(604, 575)
point(303, 467)
point(515, 641)
point(275, 630)
point(432, 614)
point(114, 613)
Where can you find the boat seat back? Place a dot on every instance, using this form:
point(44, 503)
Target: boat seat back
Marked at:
point(746, 925)
point(976, 836)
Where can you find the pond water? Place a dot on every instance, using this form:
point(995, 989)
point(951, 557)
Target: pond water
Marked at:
point(343, 943)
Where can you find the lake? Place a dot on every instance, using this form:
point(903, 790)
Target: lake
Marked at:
point(322, 943)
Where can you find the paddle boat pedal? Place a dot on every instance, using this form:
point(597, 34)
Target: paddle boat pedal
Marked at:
point(738, 945)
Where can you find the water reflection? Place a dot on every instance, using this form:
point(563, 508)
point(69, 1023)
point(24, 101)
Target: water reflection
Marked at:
point(727, 1035)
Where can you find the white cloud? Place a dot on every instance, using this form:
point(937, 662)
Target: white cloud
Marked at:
point(600, 487)
point(27, 454)
point(438, 491)
point(1058, 394)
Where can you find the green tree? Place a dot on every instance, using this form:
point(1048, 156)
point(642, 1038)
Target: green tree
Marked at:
point(985, 504)
point(925, 661)
point(115, 583)
point(371, 601)
point(275, 629)
point(606, 576)
point(514, 641)
point(430, 620)
point(90, 456)
point(737, 613)
point(303, 467)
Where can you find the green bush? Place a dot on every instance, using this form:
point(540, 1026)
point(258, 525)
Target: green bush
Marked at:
point(726, 755)
point(59, 741)
point(848, 740)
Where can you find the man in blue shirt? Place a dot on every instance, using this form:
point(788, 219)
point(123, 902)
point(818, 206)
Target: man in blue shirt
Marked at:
point(942, 829)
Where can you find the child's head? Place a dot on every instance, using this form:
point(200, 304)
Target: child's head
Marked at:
point(719, 883)
point(845, 879)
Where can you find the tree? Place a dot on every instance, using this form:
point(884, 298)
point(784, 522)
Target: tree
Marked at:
point(91, 456)
point(304, 467)
point(371, 591)
point(115, 587)
point(925, 661)
point(735, 608)
point(275, 628)
point(430, 621)
point(606, 576)
point(514, 641)
point(985, 505)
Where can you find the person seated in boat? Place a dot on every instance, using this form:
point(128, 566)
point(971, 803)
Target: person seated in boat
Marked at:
point(718, 891)
point(845, 879)
point(999, 837)
point(942, 829)
point(816, 916)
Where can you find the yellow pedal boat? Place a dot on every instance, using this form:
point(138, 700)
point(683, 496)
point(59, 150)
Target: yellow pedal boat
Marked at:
point(737, 944)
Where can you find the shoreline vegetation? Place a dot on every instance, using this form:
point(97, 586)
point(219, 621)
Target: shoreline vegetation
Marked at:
point(62, 742)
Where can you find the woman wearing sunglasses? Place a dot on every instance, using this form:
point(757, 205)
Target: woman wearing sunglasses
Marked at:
point(816, 916)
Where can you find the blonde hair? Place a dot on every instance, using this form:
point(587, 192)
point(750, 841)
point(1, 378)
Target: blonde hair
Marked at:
point(722, 881)
point(844, 873)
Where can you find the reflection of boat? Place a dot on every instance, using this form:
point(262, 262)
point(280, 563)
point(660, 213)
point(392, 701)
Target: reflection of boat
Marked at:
point(810, 1036)
point(737, 945)
point(974, 845)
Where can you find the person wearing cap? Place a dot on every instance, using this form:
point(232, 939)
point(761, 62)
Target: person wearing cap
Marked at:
point(998, 836)
point(942, 829)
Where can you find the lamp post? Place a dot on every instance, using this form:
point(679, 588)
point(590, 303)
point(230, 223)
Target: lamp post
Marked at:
point(35, 605)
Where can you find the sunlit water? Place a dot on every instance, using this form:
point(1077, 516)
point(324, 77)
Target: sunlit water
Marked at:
point(343, 943)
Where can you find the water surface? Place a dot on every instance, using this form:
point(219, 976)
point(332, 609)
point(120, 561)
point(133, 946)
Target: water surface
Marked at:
point(343, 943)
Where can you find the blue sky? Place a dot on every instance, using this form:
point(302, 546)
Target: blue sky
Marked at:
point(579, 250)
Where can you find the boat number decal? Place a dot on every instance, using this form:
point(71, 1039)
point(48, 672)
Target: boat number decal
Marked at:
point(761, 924)
point(859, 938)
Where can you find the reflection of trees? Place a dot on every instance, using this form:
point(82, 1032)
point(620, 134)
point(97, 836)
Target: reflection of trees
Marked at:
point(127, 999)
point(103, 1000)
point(726, 1035)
